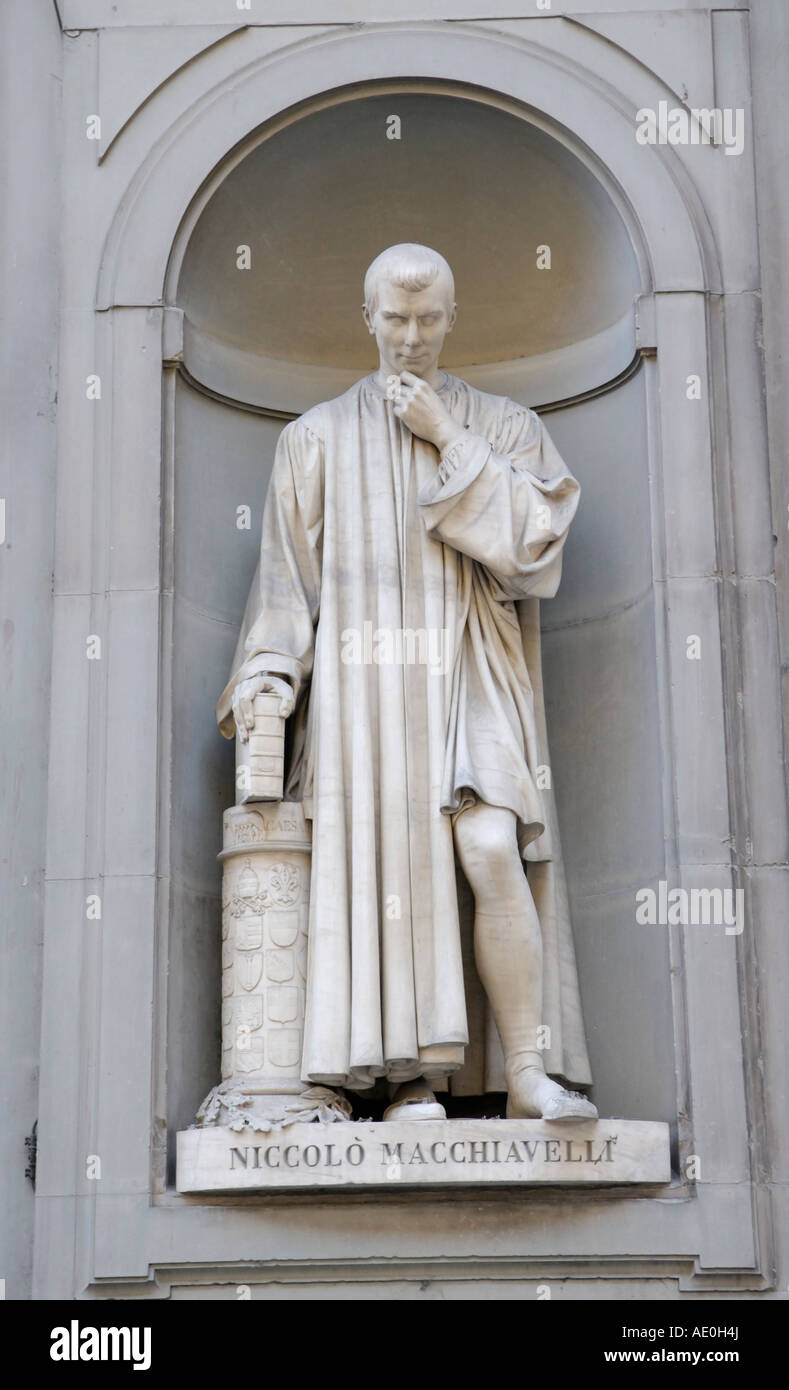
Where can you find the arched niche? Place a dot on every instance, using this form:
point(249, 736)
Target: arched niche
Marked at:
point(545, 270)
point(317, 194)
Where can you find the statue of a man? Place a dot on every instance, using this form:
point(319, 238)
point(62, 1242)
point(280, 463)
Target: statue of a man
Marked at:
point(407, 524)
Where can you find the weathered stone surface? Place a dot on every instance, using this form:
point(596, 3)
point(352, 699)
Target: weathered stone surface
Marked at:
point(265, 907)
point(456, 1153)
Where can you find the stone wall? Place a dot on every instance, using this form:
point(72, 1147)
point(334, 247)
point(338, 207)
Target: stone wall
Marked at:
point(115, 780)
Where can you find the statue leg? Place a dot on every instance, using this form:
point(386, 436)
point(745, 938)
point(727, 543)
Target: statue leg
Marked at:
point(508, 953)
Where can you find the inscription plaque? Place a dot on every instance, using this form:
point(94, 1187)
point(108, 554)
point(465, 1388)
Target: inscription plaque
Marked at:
point(464, 1153)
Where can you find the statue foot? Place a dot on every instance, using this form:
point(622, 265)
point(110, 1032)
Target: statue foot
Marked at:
point(414, 1100)
point(533, 1095)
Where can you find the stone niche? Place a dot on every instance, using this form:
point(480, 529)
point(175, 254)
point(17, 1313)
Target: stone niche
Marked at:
point(547, 282)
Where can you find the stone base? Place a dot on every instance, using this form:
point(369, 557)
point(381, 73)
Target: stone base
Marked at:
point(430, 1153)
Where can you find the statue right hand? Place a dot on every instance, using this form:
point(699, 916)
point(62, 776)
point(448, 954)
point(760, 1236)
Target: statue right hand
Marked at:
point(244, 695)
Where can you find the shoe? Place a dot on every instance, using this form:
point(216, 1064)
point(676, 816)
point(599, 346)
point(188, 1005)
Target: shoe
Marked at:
point(414, 1100)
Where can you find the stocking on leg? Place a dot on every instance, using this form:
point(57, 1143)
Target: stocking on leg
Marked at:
point(508, 952)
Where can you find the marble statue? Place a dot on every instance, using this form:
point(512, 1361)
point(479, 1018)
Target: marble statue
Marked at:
point(410, 528)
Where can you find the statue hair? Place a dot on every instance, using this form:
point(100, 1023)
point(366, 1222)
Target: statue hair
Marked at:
point(410, 267)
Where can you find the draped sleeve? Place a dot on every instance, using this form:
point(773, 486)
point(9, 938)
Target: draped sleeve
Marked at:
point(507, 502)
point(278, 631)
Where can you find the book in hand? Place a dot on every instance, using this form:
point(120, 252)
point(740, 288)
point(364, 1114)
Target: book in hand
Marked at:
point(260, 762)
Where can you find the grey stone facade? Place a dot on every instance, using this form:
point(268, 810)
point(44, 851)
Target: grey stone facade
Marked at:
point(119, 262)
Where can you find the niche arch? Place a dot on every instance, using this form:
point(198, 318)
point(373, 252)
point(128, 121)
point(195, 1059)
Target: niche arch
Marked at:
point(545, 266)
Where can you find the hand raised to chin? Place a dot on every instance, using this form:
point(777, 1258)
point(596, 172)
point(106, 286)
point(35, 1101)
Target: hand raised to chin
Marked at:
point(421, 409)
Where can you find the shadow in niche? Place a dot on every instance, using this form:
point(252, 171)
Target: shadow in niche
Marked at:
point(599, 643)
point(372, 1104)
point(487, 188)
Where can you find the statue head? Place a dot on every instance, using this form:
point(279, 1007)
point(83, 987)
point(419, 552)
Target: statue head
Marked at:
point(409, 307)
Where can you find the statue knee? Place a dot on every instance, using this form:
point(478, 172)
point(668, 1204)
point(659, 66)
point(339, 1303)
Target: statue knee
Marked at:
point(487, 846)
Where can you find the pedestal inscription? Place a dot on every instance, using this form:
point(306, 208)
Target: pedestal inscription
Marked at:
point(465, 1153)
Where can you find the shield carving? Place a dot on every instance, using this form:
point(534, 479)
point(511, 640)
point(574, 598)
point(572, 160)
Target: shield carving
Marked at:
point(283, 926)
point(249, 1011)
point(279, 965)
point(249, 933)
point(282, 1003)
point(250, 969)
point(284, 1047)
point(301, 958)
point(251, 1058)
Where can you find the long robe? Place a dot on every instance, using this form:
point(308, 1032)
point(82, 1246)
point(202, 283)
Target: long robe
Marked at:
point(397, 593)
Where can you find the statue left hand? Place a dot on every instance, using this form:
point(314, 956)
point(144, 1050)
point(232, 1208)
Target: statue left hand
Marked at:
point(419, 407)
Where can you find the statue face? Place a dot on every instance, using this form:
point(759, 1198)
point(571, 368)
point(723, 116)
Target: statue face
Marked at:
point(410, 327)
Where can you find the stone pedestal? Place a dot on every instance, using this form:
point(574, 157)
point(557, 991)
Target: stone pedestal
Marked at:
point(265, 919)
point(441, 1153)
